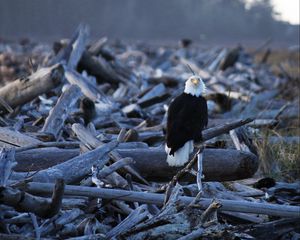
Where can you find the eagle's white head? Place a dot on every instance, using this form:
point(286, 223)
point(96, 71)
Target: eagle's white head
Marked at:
point(195, 86)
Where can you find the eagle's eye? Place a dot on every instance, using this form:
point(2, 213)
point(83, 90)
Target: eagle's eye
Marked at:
point(195, 81)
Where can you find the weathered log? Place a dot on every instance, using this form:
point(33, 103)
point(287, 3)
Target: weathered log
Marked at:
point(25, 202)
point(100, 68)
point(59, 113)
point(43, 158)
point(196, 234)
point(96, 47)
point(49, 144)
point(133, 218)
point(74, 169)
point(113, 167)
point(223, 128)
point(87, 88)
point(214, 65)
point(7, 163)
point(59, 222)
point(155, 95)
point(158, 199)
point(218, 164)
point(231, 58)
point(5, 105)
point(275, 229)
point(88, 139)
point(71, 54)
point(10, 138)
point(24, 90)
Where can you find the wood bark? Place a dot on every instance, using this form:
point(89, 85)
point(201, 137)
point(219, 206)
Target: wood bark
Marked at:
point(218, 164)
point(87, 88)
point(59, 113)
point(158, 199)
point(74, 169)
point(10, 138)
point(22, 91)
point(25, 202)
point(71, 54)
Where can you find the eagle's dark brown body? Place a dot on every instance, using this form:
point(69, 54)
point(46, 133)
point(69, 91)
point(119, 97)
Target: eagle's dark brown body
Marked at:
point(187, 117)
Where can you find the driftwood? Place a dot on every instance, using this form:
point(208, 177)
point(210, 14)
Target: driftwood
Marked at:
point(88, 89)
point(71, 54)
point(7, 163)
point(43, 158)
point(151, 162)
point(158, 199)
point(101, 69)
point(24, 90)
point(155, 95)
point(127, 90)
point(24, 202)
point(57, 116)
point(218, 165)
point(74, 169)
point(10, 138)
point(133, 218)
point(87, 138)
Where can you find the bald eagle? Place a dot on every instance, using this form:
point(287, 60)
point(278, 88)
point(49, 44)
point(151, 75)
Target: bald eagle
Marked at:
point(187, 117)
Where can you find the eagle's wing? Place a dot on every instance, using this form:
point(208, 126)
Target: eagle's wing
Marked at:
point(186, 119)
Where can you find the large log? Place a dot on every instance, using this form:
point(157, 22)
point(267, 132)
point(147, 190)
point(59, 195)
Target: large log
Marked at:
point(42, 158)
point(74, 169)
point(24, 90)
point(10, 138)
point(158, 199)
point(218, 164)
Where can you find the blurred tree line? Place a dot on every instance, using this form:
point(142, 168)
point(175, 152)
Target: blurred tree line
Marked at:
point(210, 20)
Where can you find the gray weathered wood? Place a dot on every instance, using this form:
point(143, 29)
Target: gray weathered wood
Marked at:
point(133, 218)
point(74, 169)
point(7, 163)
point(87, 88)
point(158, 199)
point(22, 91)
point(71, 54)
point(25, 202)
point(218, 164)
point(59, 113)
point(10, 138)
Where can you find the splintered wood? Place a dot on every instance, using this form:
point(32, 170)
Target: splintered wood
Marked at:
point(82, 145)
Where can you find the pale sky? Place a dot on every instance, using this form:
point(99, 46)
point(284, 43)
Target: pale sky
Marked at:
point(289, 10)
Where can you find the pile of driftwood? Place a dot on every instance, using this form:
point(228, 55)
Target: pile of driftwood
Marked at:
point(83, 157)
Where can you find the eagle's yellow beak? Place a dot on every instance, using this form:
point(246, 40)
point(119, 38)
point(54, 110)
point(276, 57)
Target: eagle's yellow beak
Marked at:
point(195, 81)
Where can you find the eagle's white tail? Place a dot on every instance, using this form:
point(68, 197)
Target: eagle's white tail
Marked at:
point(181, 156)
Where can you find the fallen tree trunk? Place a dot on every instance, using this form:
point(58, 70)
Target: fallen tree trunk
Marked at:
point(24, 202)
point(24, 90)
point(218, 164)
point(59, 113)
point(10, 138)
point(158, 199)
point(74, 169)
